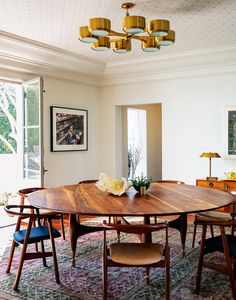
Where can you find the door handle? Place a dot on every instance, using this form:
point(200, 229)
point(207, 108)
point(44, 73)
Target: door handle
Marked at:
point(44, 171)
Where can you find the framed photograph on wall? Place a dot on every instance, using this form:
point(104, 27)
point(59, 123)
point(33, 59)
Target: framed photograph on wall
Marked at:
point(230, 125)
point(69, 129)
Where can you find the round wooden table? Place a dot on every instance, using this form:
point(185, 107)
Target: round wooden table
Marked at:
point(162, 199)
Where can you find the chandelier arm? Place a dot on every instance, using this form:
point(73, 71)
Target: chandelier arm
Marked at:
point(115, 33)
point(140, 38)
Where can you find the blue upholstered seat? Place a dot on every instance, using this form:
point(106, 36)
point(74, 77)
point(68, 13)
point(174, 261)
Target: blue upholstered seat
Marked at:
point(36, 234)
point(215, 244)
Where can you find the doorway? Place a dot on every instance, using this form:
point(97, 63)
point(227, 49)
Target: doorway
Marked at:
point(20, 135)
point(147, 128)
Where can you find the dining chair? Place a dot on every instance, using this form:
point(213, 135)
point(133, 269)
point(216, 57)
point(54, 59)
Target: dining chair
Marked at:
point(132, 254)
point(224, 243)
point(24, 193)
point(213, 215)
point(30, 235)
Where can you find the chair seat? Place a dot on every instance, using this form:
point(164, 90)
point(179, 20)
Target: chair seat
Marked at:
point(36, 234)
point(136, 253)
point(215, 243)
point(214, 215)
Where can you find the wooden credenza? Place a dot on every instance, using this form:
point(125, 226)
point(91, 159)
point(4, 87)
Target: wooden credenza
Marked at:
point(223, 185)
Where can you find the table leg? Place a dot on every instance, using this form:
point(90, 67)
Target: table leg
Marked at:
point(180, 224)
point(146, 237)
point(77, 230)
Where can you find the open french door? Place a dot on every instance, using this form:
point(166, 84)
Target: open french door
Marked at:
point(33, 169)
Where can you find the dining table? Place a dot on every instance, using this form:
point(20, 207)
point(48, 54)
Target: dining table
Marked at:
point(161, 199)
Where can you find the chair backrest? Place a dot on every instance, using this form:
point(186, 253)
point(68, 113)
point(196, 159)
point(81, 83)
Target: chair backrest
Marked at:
point(88, 181)
point(31, 212)
point(134, 228)
point(26, 191)
point(169, 181)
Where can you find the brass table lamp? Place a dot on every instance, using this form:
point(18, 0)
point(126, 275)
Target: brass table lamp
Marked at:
point(210, 155)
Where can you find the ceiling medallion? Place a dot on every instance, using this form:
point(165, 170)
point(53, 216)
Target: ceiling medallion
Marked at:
point(100, 34)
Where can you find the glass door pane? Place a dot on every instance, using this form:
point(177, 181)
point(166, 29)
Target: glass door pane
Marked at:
point(32, 124)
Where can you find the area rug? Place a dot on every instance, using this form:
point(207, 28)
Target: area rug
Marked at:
point(85, 280)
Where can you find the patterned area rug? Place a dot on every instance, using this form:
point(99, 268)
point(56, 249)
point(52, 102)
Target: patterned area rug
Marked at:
point(85, 280)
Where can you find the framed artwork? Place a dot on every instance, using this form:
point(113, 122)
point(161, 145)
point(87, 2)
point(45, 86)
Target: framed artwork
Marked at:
point(230, 124)
point(69, 129)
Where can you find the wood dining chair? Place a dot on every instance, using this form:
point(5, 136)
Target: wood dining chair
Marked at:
point(213, 215)
point(224, 243)
point(24, 193)
point(30, 235)
point(131, 254)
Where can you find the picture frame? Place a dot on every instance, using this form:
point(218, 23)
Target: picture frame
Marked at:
point(69, 129)
point(230, 132)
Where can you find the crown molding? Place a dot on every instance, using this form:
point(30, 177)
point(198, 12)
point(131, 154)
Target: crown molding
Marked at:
point(185, 64)
point(32, 57)
point(27, 56)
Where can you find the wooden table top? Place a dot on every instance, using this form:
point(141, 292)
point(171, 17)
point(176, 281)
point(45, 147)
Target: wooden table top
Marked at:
point(161, 199)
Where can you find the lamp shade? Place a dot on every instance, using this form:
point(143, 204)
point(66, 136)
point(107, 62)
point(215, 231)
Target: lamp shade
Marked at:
point(150, 45)
point(99, 26)
point(102, 44)
point(134, 24)
point(210, 155)
point(158, 27)
point(167, 40)
point(122, 46)
point(85, 36)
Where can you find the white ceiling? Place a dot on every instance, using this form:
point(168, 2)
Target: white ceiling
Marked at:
point(199, 24)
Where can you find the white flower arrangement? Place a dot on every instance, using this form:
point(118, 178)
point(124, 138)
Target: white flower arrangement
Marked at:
point(113, 186)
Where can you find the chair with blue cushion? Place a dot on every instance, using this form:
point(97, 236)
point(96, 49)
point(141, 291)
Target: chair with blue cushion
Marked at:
point(24, 193)
point(224, 243)
point(30, 235)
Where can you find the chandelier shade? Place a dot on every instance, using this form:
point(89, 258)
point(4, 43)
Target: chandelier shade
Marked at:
point(99, 26)
point(158, 27)
point(134, 24)
point(101, 44)
point(101, 36)
point(167, 40)
point(85, 36)
point(150, 45)
point(122, 46)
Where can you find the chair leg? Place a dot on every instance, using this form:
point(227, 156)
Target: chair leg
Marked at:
point(200, 264)
point(228, 261)
point(62, 227)
point(212, 232)
point(104, 278)
point(53, 251)
point(22, 256)
point(194, 232)
point(13, 246)
point(167, 272)
point(43, 251)
point(147, 275)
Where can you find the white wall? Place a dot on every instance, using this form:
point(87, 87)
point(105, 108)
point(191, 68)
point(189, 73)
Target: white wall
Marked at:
point(192, 122)
point(71, 167)
point(63, 167)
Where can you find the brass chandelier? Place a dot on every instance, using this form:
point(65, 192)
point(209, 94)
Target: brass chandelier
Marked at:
point(100, 34)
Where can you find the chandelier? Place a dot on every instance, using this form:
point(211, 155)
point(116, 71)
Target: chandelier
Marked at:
point(99, 33)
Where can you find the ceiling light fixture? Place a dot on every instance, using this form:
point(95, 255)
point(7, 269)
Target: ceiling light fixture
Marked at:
point(100, 34)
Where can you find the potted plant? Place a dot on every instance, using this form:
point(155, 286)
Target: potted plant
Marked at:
point(141, 182)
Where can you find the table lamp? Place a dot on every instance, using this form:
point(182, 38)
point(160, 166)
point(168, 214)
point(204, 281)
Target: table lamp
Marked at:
point(210, 155)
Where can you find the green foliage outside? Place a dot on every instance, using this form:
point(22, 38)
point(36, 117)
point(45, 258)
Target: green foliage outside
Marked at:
point(32, 116)
point(8, 131)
